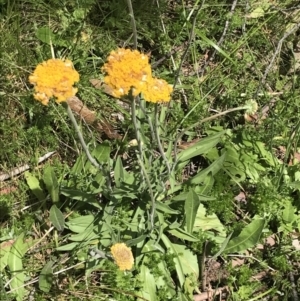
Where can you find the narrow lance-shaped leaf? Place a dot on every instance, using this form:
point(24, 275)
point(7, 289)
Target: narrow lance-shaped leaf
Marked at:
point(191, 206)
point(178, 264)
point(15, 265)
point(201, 147)
point(34, 185)
point(57, 218)
point(212, 169)
point(248, 238)
point(46, 277)
point(51, 184)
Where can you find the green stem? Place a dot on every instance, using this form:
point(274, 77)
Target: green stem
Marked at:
point(150, 191)
point(85, 147)
point(133, 24)
point(161, 150)
point(136, 126)
point(140, 157)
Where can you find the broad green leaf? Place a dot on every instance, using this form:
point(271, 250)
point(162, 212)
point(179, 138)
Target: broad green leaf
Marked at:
point(180, 233)
point(188, 260)
point(81, 196)
point(34, 185)
point(45, 35)
point(191, 205)
point(87, 236)
point(15, 265)
point(223, 246)
point(80, 224)
point(79, 165)
point(102, 153)
point(46, 277)
point(152, 245)
point(257, 13)
point(68, 247)
point(206, 187)
point(165, 208)
point(135, 241)
point(201, 147)
point(119, 172)
point(248, 238)
point(183, 196)
point(206, 222)
point(4, 253)
point(147, 280)
point(295, 185)
point(212, 169)
point(288, 213)
point(51, 183)
point(165, 281)
point(178, 264)
point(57, 218)
point(182, 296)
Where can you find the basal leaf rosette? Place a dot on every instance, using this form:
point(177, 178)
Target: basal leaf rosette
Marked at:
point(54, 78)
point(122, 256)
point(125, 70)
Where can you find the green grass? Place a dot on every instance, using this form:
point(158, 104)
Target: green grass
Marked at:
point(219, 66)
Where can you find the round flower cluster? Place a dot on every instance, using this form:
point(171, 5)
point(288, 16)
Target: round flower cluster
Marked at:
point(54, 78)
point(122, 256)
point(128, 71)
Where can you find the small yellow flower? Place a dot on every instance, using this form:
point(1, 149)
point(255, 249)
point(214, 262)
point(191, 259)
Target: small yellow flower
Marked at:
point(125, 70)
point(54, 78)
point(157, 90)
point(122, 256)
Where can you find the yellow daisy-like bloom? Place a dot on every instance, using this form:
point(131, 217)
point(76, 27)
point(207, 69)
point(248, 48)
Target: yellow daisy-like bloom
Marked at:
point(157, 90)
point(127, 69)
point(54, 78)
point(122, 256)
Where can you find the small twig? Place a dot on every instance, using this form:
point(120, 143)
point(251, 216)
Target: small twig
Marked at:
point(221, 40)
point(249, 257)
point(18, 170)
point(172, 59)
point(191, 38)
point(202, 267)
point(133, 24)
point(212, 293)
point(294, 287)
point(278, 49)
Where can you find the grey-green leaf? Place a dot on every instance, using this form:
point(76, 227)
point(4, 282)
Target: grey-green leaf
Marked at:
point(212, 170)
point(248, 238)
point(57, 218)
point(15, 265)
point(34, 185)
point(46, 277)
point(51, 184)
point(191, 206)
point(201, 147)
point(45, 35)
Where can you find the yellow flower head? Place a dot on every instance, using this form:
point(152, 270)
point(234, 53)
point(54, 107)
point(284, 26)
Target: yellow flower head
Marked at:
point(157, 90)
point(126, 69)
point(122, 256)
point(54, 78)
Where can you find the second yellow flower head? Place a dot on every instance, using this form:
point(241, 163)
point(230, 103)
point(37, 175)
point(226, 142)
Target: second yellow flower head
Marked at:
point(129, 71)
